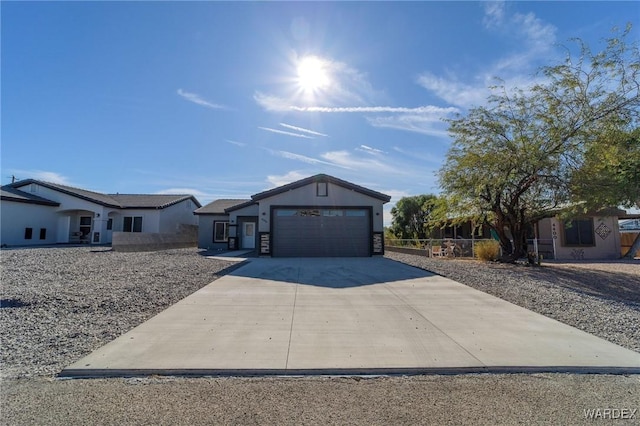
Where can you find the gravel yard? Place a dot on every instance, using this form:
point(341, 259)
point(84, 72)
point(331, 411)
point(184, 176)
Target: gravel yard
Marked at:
point(59, 304)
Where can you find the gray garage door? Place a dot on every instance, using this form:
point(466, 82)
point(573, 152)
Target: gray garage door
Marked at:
point(321, 232)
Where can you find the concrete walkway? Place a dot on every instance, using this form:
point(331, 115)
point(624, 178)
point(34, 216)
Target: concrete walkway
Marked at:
point(348, 316)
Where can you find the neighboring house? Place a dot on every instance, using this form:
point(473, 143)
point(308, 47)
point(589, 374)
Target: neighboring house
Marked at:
point(37, 212)
point(317, 216)
point(592, 236)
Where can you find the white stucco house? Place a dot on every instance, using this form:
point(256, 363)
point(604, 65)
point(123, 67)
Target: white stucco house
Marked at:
point(317, 216)
point(34, 212)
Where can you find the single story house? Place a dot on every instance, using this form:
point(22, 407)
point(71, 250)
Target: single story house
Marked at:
point(590, 236)
point(319, 216)
point(595, 235)
point(34, 212)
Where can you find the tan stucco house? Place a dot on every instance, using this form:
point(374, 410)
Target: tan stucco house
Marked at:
point(591, 236)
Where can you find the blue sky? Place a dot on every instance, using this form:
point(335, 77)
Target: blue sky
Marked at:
point(224, 100)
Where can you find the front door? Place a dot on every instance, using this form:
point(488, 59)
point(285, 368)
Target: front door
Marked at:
point(248, 235)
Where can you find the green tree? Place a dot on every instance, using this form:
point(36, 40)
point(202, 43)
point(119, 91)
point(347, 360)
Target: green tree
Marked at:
point(527, 152)
point(411, 216)
point(611, 174)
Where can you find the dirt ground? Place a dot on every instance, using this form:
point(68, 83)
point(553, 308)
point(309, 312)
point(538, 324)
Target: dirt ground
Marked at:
point(473, 399)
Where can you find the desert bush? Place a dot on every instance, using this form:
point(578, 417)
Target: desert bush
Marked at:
point(487, 250)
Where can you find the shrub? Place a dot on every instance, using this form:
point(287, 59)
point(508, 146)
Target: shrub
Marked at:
point(487, 250)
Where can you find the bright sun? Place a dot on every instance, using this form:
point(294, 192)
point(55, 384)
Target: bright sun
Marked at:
point(312, 74)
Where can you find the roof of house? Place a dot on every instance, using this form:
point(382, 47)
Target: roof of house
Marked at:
point(220, 206)
point(151, 201)
point(120, 201)
point(321, 178)
point(12, 194)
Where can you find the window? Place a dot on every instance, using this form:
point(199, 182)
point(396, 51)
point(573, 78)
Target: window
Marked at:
point(28, 233)
point(43, 233)
point(85, 227)
point(220, 232)
point(322, 189)
point(132, 224)
point(579, 233)
point(109, 224)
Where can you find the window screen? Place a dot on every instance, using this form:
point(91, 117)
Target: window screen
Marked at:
point(579, 233)
point(220, 232)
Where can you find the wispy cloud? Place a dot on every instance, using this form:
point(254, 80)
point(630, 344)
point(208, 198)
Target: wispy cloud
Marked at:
point(417, 155)
point(272, 103)
point(279, 180)
point(375, 109)
point(236, 143)
point(347, 160)
point(44, 175)
point(282, 132)
point(182, 191)
point(197, 99)
point(493, 13)
point(535, 41)
point(416, 123)
point(303, 130)
point(453, 91)
point(370, 150)
point(304, 158)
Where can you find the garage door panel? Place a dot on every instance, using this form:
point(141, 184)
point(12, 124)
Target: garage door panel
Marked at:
point(311, 236)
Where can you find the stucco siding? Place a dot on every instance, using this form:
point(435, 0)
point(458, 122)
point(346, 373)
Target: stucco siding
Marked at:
point(606, 239)
point(306, 196)
point(15, 217)
point(177, 214)
point(205, 231)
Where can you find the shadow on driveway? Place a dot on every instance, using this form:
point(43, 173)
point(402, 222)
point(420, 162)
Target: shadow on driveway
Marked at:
point(330, 272)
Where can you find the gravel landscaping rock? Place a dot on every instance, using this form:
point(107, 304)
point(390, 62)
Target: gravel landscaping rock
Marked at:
point(60, 304)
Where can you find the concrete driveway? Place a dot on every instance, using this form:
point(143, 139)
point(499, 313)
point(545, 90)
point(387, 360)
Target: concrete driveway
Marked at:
point(348, 316)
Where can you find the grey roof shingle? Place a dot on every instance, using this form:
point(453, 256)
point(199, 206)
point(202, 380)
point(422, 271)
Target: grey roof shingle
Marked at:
point(120, 201)
point(150, 201)
point(219, 206)
point(12, 194)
